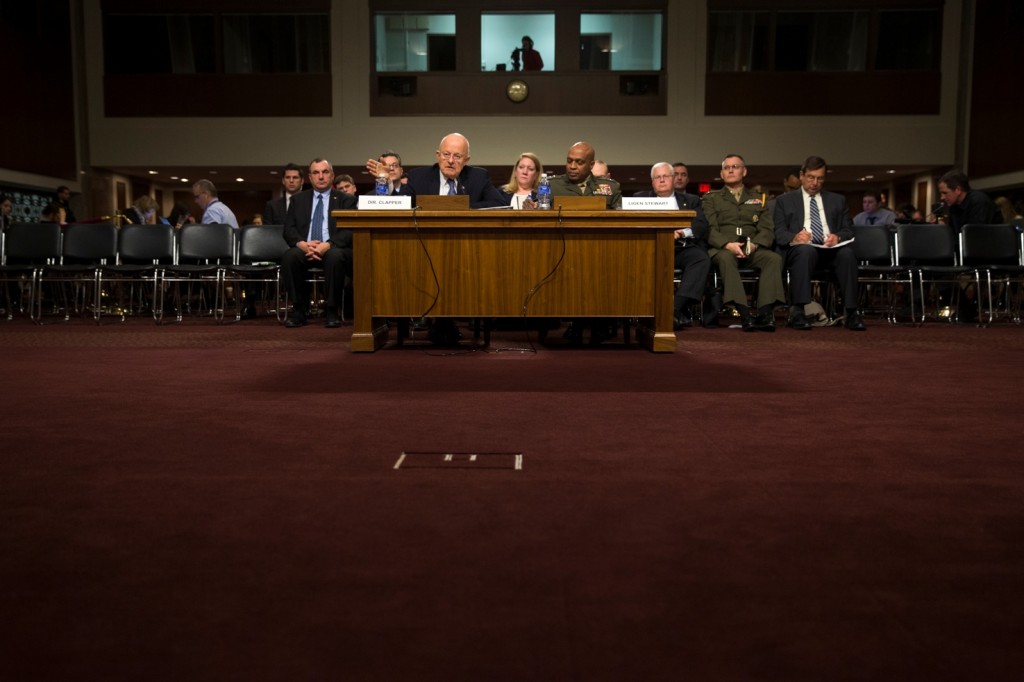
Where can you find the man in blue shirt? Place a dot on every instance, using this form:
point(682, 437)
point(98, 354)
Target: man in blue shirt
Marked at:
point(214, 210)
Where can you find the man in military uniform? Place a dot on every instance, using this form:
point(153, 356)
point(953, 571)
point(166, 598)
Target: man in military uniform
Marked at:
point(579, 179)
point(740, 229)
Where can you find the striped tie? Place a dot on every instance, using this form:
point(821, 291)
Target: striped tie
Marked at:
point(316, 229)
point(817, 231)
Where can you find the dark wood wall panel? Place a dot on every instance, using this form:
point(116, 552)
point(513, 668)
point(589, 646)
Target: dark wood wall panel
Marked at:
point(566, 94)
point(305, 94)
point(997, 145)
point(38, 101)
point(832, 94)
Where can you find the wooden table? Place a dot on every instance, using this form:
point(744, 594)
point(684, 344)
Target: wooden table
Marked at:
point(513, 263)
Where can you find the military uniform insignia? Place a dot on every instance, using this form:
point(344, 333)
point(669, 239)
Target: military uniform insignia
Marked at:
point(603, 190)
point(755, 216)
point(754, 202)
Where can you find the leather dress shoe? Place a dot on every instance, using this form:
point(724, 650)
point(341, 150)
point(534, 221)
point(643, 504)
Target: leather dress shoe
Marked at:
point(295, 320)
point(797, 320)
point(749, 323)
point(855, 322)
point(681, 321)
point(765, 322)
point(249, 312)
point(333, 321)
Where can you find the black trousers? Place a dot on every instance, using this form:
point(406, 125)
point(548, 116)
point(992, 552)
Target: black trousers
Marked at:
point(336, 263)
point(695, 264)
point(803, 260)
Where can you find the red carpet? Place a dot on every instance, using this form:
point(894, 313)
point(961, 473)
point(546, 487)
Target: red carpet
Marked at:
point(210, 502)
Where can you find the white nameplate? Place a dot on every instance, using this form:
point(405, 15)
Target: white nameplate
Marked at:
point(648, 203)
point(389, 203)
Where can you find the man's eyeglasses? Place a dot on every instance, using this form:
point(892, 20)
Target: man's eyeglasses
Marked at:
point(391, 166)
point(449, 156)
point(735, 166)
point(662, 177)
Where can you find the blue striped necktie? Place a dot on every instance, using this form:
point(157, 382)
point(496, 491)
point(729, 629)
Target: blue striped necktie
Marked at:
point(451, 187)
point(316, 226)
point(817, 231)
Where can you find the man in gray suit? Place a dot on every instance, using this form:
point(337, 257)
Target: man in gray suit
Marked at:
point(811, 227)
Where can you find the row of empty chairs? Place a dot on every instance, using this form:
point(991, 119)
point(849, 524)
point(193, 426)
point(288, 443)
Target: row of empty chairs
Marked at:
point(920, 259)
point(143, 262)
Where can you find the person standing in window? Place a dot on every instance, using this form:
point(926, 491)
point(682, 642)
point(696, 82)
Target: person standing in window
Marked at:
point(532, 61)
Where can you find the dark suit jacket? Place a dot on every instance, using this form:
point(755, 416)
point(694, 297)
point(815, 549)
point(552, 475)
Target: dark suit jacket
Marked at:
point(789, 216)
point(276, 211)
point(296, 224)
point(474, 181)
point(687, 202)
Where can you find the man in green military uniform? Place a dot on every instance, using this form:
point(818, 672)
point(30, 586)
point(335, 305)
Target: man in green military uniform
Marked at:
point(740, 229)
point(580, 181)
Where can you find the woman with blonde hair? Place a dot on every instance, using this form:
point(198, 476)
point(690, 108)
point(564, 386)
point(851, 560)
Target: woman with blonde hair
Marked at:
point(524, 179)
point(142, 211)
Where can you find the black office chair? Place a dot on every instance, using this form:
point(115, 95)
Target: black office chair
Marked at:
point(85, 249)
point(873, 247)
point(260, 248)
point(993, 256)
point(929, 253)
point(143, 251)
point(204, 251)
point(27, 248)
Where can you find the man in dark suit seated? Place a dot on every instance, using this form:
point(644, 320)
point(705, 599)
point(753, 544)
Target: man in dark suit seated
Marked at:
point(809, 224)
point(317, 242)
point(450, 175)
point(276, 210)
point(691, 251)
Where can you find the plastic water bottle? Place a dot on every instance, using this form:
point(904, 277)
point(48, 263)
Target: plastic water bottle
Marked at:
point(383, 187)
point(544, 193)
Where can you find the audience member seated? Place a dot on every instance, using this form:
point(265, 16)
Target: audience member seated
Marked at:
point(316, 241)
point(740, 231)
point(519, 192)
point(874, 213)
point(215, 211)
point(810, 228)
point(6, 207)
point(51, 213)
point(908, 213)
point(276, 210)
point(63, 204)
point(389, 163)
point(180, 215)
point(143, 211)
point(966, 206)
point(691, 251)
point(345, 183)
